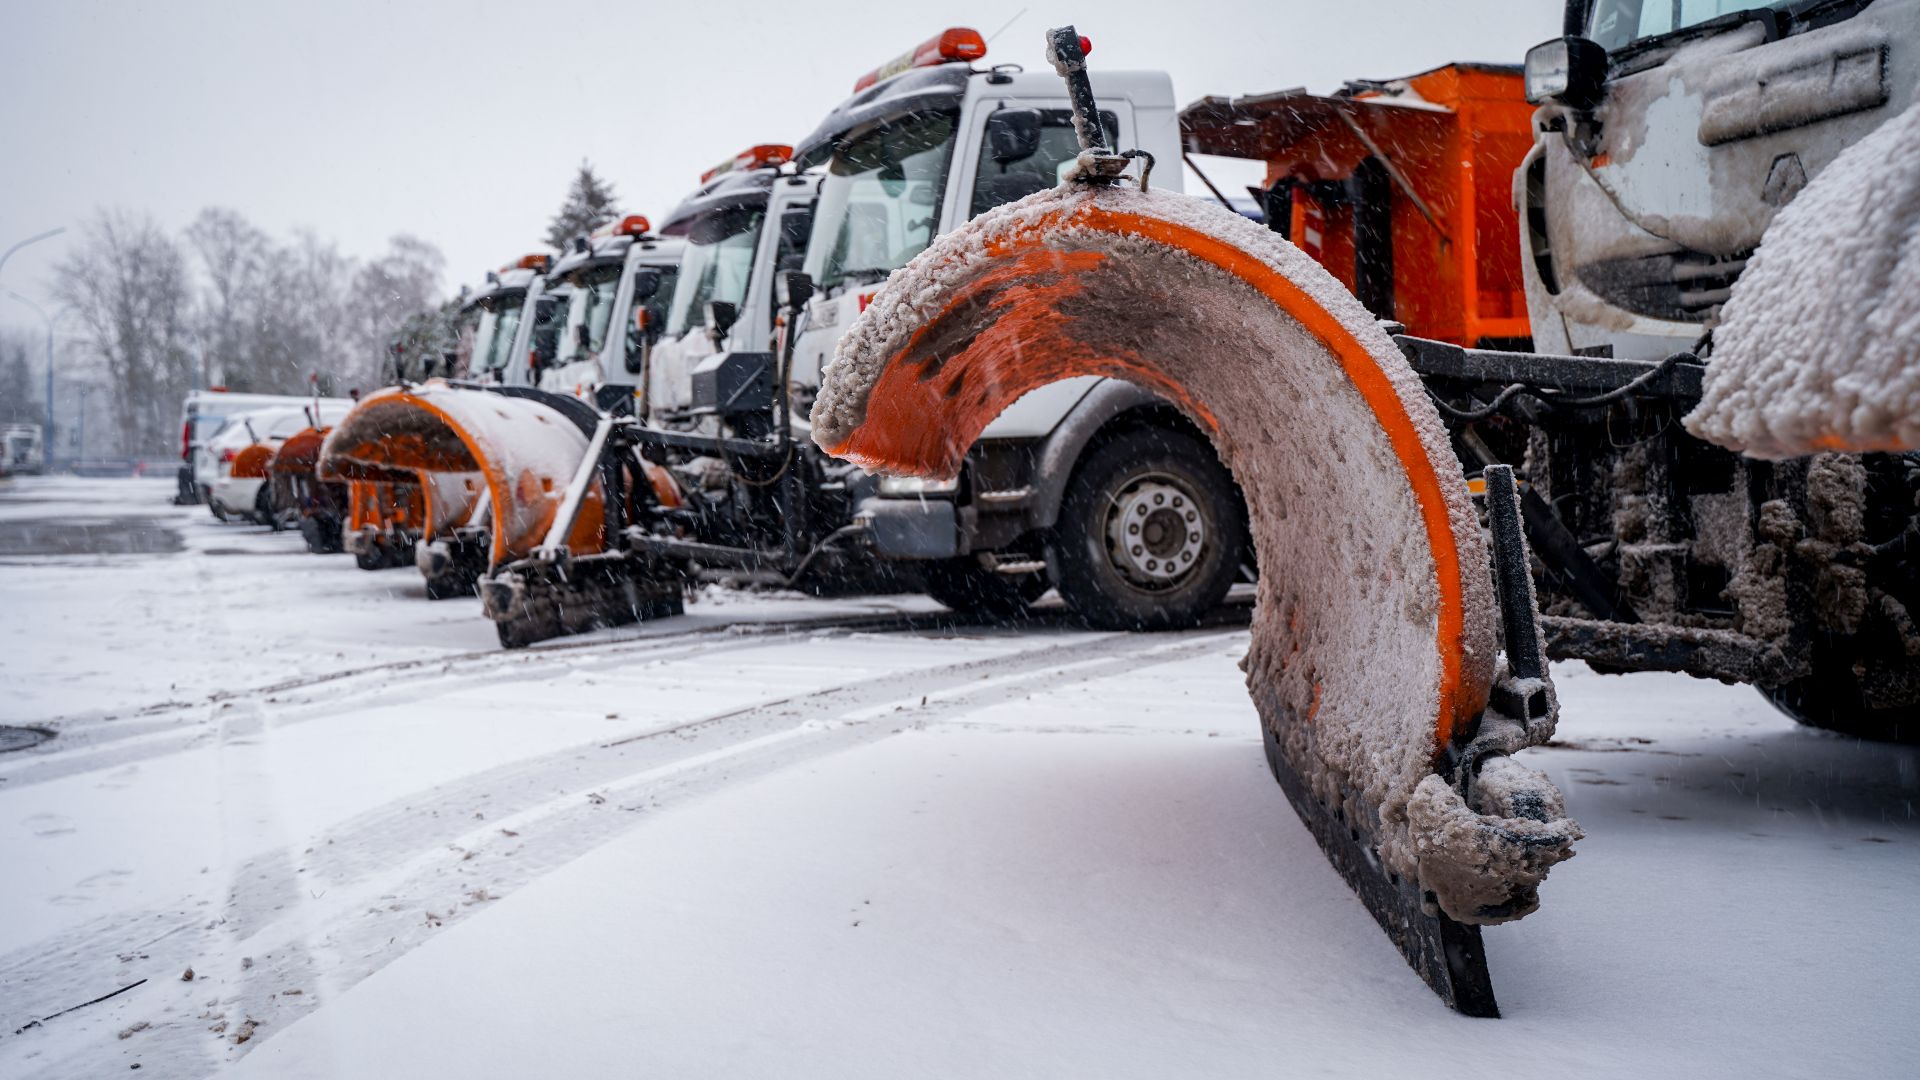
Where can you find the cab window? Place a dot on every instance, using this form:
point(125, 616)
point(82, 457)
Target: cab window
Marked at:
point(999, 182)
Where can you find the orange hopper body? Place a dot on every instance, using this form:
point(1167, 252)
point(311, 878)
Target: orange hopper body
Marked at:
point(1402, 189)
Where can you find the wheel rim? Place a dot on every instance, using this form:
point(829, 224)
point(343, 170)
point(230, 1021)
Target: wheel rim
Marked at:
point(1156, 532)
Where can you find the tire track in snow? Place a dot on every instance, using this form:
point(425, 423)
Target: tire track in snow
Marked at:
point(356, 914)
point(114, 741)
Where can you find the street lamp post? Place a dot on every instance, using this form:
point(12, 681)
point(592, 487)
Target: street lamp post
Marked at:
point(47, 439)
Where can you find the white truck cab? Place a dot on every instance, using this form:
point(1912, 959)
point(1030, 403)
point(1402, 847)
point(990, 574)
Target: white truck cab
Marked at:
point(1668, 137)
point(730, 258)
point(621, 268)
point(502, 340)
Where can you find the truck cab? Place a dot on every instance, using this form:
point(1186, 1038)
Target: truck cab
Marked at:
point(1668, 136)
point(503, 336)
point(621, 268)
point(926, 143)
point(747, 220)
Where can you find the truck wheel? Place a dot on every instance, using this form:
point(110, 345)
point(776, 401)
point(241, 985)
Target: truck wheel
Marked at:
point(263, 512)
point(1831, 698)
point(968, 587)
point(321, 533)
point(1150, 534)
point(376, 555)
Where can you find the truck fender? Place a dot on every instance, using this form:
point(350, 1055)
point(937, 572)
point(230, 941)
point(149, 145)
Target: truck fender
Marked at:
point(1064, 446)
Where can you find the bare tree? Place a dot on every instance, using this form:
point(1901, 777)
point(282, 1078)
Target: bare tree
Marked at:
point(17, 401)
point(387, 292)
point(127, 283)
point(232, 256)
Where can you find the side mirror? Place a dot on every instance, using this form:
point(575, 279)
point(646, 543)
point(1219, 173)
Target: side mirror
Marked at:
point(792, 289)
point(1013, 134)
point(639, 339)
point(1571, 70)
point(721, 315)
point(645, 284)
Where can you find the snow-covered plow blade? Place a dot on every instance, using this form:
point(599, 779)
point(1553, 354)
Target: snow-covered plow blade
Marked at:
point(489, 470)
point(520, 453)
point(321, 504)
point(1387, 712)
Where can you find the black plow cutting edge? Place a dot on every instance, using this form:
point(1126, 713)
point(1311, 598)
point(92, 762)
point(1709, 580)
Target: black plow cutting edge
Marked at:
point(1445, 953)
point(533, 601)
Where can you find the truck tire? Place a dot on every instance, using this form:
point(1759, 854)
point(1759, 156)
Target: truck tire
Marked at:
point(263, 512)
point(1831, 698)
point(970, 588)
point(322, 533)
point(1150, 534)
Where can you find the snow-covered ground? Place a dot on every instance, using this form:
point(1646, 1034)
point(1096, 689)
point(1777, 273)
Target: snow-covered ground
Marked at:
point(765, 839)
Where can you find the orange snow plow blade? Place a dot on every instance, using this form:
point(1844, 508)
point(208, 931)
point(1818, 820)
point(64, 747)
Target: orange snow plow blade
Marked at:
point(300, 453)
point(251, 462)
point(1373, 653)
point(457, 439)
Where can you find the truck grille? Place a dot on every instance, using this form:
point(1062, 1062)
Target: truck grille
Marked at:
point(1681, 286)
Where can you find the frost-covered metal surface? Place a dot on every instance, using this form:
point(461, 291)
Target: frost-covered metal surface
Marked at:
point(1819, 347)
point(1373, 642)
point(525, 451)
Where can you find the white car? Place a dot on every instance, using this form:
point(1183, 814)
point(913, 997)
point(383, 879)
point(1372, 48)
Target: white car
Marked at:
point(246, 495)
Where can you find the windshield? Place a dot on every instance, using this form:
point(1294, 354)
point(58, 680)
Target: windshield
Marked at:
point(493, 341)
point(1616, 24)
point(589, 313)
point(880, 202)
point(715, 266)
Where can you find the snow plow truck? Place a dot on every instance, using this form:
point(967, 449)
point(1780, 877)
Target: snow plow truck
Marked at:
point(782, 257)
point(1397, 679)
point(572, 335)
point(1657, 540)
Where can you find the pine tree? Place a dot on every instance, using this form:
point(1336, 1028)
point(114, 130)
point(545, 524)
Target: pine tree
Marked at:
point(590, 204)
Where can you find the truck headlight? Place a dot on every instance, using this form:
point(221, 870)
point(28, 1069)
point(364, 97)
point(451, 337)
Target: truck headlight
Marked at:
point(898, 486)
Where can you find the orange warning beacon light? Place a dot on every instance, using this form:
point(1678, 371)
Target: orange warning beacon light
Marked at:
point(763, 156)
point(956, 43)
point(631, 225)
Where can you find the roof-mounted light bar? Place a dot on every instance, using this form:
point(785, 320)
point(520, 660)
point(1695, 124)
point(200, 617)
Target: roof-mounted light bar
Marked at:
point(957, 43)
point(540, 263)
point(763, 156)
point(631, 225)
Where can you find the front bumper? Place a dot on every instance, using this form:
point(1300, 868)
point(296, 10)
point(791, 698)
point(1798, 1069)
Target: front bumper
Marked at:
point(911, 528)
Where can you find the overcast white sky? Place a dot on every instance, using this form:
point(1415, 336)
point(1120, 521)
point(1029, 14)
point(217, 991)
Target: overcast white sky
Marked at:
point(462, 122)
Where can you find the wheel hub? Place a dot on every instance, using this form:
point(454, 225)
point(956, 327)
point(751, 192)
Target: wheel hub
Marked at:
point(1155, 532)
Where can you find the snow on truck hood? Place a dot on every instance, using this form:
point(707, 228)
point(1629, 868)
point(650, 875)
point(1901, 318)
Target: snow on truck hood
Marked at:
point(1382, 651)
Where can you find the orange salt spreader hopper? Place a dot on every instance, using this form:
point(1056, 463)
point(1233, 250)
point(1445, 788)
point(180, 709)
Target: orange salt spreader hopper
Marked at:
point(1402, 189)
